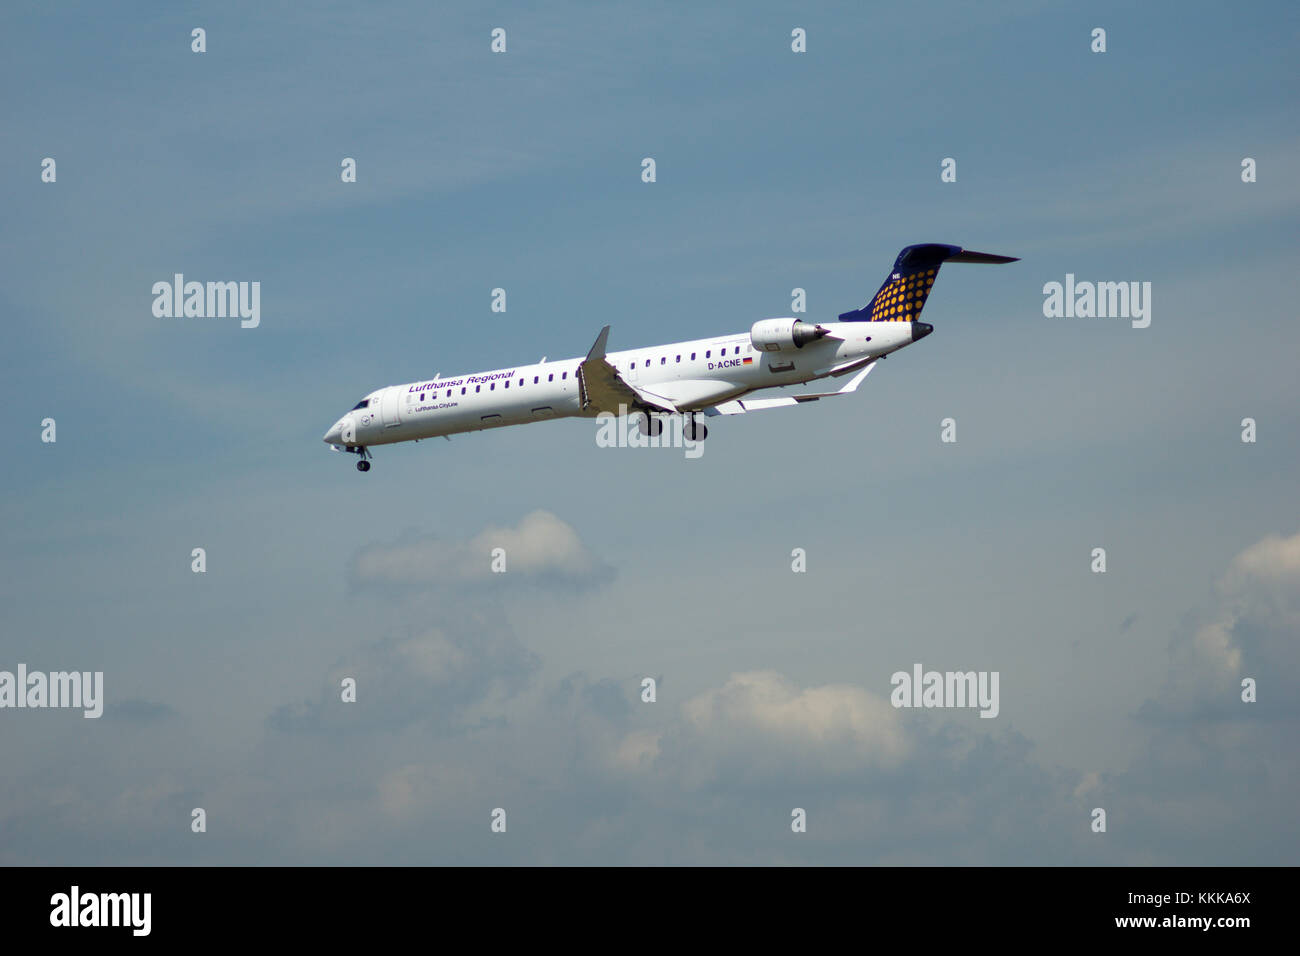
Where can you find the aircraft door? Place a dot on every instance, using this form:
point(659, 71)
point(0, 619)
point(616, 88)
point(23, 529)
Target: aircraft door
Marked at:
point(388, 407)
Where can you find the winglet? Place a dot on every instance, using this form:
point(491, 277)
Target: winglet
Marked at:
point(598, 350)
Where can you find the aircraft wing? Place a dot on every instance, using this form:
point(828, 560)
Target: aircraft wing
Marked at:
point(741, 405)
point(602, 389)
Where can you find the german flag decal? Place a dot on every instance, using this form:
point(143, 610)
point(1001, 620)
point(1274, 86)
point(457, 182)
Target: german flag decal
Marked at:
point(748, 361)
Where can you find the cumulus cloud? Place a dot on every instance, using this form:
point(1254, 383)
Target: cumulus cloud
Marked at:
point(452, 722)
point(433, 676)
point(452, 646)
point(1217, 780)
point(1250, 629)
point(837, 726)
point(541, 549)
point(731, 763)
point(592, 774)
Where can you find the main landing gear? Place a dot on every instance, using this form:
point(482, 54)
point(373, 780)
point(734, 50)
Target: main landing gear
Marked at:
point(693, 429)
point(651, 424)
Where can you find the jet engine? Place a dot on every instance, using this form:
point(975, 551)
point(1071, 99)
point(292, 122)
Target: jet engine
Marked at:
point(781, 335)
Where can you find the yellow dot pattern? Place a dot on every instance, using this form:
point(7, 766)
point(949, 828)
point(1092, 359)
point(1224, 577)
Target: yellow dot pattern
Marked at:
point(901, 299)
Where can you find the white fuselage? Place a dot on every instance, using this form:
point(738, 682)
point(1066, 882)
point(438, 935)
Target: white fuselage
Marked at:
point(693, 375)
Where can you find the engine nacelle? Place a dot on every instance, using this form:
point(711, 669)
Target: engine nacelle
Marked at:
point(780, 335)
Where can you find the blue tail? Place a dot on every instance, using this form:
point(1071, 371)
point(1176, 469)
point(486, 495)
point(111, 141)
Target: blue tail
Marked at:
point(903, 294)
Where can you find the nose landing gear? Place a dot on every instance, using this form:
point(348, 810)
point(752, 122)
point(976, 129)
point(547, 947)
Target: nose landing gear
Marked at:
point(363, 452)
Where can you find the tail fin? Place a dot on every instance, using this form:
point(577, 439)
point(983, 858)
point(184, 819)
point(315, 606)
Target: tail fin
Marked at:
point(903, 294)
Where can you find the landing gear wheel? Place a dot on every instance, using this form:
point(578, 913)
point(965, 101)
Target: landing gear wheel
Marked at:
point(363, 465)
point(696, 430)
point(650, 425)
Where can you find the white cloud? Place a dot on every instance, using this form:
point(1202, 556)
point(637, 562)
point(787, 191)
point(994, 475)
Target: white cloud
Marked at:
point(1273, 562)
point(824, 718)
point(1251, 630)
point(760, 726)
point(637, 751)
point(540, 547)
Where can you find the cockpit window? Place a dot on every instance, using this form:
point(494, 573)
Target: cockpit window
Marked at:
point(361, 404)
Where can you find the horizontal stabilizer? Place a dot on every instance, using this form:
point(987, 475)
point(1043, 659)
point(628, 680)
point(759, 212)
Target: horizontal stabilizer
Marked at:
point(967, 256)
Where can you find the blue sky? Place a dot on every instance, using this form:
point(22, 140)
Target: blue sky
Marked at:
point(775, 170)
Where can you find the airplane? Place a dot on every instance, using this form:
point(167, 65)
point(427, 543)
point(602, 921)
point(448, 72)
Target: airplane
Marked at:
point(715, 376)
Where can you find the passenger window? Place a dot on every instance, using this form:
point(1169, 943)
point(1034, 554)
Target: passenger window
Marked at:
point(709, 353)
point(507, 384)
point(692, 356)
point(449, 393)
point(663, 360)
point(462, 391)
point(551, 377)
point(535, 378)
point(492, 387)
point(564, 375)
point(679, 358)
point(647, 363)
point(478, 388)
point(724, 351)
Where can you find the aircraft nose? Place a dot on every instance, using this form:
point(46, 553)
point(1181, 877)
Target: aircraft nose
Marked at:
point(335, 435)
point(920, 330)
